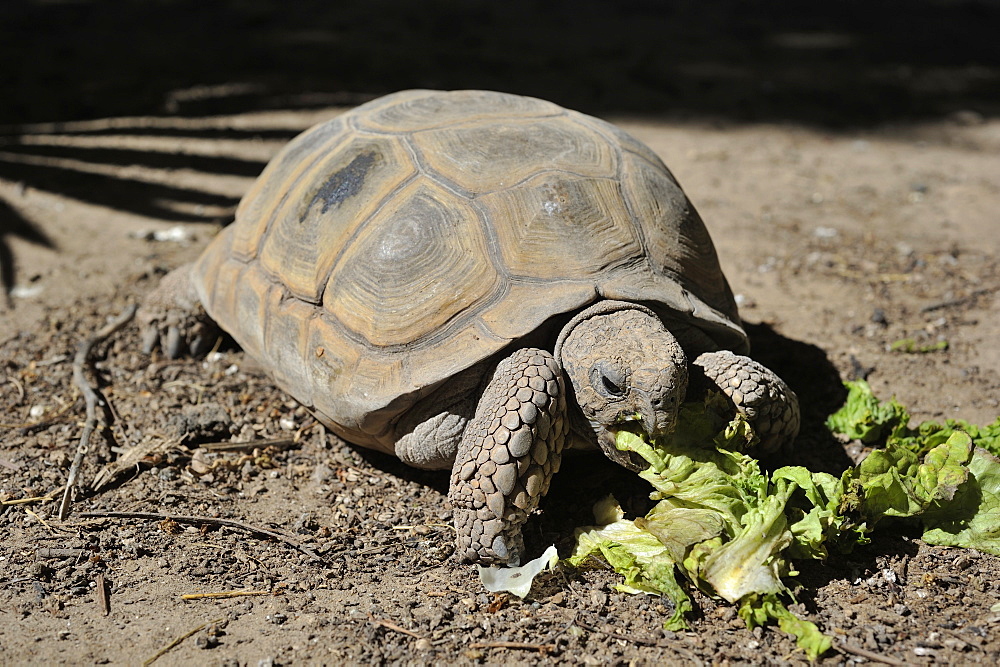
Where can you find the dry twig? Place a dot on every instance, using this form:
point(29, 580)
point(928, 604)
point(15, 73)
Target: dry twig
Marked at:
point(103, 600)
point(249, 445)
point(132, 458)
point(27, 501)
point(209, 521)
point(17, 385)
point(631, 639)
point(44, 421)
point(868, 655)
point(642, 641)
point(52, 529)
point(525, 646)
point(44, 553)
point(394, 627)
point(92, 400)
point(150, 661)
point(222, 595)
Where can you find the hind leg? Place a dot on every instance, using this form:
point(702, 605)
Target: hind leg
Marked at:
point(173, 319)
point(429, 434)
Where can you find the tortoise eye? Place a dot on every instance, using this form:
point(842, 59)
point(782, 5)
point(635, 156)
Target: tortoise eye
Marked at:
point(607, 380)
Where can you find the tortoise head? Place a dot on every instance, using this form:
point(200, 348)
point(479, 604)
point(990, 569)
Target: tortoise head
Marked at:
point(627, 372)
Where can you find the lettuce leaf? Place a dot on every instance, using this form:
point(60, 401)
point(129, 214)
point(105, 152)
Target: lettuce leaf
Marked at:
point(972, 517)
point(720, 522)
point(863, 417)
point(758, 610)
point(732, 530)
point(946, 475)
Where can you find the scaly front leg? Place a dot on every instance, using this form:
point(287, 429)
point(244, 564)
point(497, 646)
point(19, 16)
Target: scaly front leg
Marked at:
point(507, 457)
point(768, 403)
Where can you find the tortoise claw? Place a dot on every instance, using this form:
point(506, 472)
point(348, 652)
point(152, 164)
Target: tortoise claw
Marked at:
point(756, 391)
point(173, 343)
point(150, 340)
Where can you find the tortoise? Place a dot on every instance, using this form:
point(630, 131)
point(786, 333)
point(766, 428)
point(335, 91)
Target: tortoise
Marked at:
point(475, 281)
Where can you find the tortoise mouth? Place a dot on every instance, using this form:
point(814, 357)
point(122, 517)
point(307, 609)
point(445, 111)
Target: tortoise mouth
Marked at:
point(626, 459)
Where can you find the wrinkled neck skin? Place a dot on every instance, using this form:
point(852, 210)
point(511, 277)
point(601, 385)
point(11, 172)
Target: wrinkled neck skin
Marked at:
point(626, 370)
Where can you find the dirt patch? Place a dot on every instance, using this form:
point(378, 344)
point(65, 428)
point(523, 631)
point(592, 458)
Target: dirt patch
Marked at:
point(838, 244)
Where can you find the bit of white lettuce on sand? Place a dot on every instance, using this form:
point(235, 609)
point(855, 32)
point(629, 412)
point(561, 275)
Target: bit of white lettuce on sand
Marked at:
point(732, 530)
point(517, 580)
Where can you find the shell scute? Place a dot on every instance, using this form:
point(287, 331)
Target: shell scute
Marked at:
point(296, 159)
point(420, 262)
point(415, 110)
point(563, 226)
point(486, 156)
point(324, 207)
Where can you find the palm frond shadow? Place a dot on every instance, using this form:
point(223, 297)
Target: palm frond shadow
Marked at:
point(13, 224)
point(156, 170)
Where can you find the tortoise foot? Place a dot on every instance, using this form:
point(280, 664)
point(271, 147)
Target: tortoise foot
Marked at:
point(173, 319)
point(509, 452)
point(767, 402)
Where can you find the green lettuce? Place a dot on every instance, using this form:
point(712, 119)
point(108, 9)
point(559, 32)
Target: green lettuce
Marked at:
point(972, 517)
point(946, 475)
point(733, 530)
point(863, 417)
point(720, 522)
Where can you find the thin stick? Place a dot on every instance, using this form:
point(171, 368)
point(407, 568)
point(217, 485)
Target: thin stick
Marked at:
point(869, 655)
point(18, 386)
point(633, 639)
point(222, 595)
point(251, 444)
point(541, 648)
point(92, 401)
point(177, 641)
point(44, 553)
point(102, 594)
point(27, 501)
point(393, 626)
point(44, 523)
point(228, 523)
point(45, 421)
point(638, 640)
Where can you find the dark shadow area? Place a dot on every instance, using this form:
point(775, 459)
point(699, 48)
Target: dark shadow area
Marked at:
point(141, 130)
point(152, 159)
point(849, 63)
point(809, 372)
point(51, 158)
point(439, 480)
point(157, 200)
point(14, 225)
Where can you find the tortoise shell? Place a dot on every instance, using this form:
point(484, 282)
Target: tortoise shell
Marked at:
point(392, 247)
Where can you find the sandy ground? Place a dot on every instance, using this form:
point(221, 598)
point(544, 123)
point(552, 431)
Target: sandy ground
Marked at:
point(838, 244)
